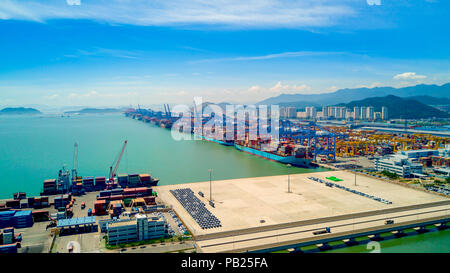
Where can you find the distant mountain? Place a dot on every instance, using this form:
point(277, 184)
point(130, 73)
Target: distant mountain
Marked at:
point(399, 107)
point(347, 95)
point(431, 100)
point(95, 111)
point(19, 111)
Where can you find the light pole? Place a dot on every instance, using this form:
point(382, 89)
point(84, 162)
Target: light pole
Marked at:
point(354, 170)
point(210, 184)
point(289, 177)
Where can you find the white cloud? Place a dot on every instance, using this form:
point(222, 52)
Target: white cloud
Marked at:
point(232, 13)
point(280, 88)
point(125, 54)
point(409, 76)
point(332, 88)
point(272, 56)
point(52, 97)
point(73, 2)
point(372, 85)
point(96, 95)
point(255, 89)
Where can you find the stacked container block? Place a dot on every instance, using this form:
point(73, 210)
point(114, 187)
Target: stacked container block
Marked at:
point(123, 180)
point(100, 183)
point(88, 184)
point(50, 187)
point(62, 201)
point(23, 219)
point(133, 180)
point(6, 218)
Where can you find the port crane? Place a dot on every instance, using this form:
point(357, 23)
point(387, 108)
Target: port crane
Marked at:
point(112, 172)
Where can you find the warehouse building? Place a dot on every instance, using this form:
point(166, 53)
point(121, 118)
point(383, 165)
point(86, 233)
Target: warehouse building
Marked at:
point(398, 164)
point(139, 229)
point(419, 153)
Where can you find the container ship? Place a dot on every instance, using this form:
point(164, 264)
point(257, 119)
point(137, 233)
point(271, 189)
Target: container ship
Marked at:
point(295, 160)
point(284, 152)
point(78, 185)
point(222, 142)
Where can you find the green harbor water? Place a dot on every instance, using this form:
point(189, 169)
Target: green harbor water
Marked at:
point(432, 242)
point(34, 148)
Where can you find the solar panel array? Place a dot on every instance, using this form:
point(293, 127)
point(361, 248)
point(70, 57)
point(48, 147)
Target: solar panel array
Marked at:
point(196, 208)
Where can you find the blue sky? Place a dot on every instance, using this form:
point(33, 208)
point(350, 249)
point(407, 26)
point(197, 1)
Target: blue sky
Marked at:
point(120, 52)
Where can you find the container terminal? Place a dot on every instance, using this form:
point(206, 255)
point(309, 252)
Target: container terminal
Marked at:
point(238, 215)
point(422, 159)
point(297, 145)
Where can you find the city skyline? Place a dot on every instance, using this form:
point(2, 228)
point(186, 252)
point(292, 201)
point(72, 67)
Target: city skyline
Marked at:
point(72, 53)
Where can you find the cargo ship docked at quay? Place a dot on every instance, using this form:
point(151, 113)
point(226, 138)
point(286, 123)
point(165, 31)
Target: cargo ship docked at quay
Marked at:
point(71, 182)
point(295, 155)
point(295, 160)
point(210, 139)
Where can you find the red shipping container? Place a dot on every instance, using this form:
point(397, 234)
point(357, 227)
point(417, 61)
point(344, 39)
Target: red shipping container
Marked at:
point(116, 197)
point(128, 196)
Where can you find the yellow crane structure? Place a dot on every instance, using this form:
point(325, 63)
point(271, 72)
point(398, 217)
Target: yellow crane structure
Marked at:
point(365, 142)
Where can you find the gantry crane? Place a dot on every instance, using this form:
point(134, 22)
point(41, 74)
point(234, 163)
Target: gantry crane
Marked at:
point(75, 161)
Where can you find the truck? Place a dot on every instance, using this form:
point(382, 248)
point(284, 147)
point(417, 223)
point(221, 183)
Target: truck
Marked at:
point(323, 231)
point(389, 222)
point(89, 213)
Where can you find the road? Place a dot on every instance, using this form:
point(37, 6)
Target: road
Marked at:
point(271, 238)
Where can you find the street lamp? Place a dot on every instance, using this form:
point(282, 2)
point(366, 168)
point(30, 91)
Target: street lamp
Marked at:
point(289, 177)
point(210, 184)
point(354, 170)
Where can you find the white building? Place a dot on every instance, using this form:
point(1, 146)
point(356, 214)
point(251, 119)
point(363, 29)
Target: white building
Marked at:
point(384, 113)
point(288, 112)
point(445, 152)
point(139, 229)
point(370, 113)
point(324, 112)
point(363, 111)
point(415, 154)
point(356, 113)
point(311, 112)
point(398, 164)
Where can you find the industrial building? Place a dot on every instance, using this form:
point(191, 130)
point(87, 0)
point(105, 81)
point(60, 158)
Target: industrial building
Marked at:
point(311, 112)
point(398, 164)
point(139, 229)
point(420, 153)
point(288, 112)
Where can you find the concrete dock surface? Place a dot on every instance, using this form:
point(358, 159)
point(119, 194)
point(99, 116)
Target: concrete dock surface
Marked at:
point(257, 212)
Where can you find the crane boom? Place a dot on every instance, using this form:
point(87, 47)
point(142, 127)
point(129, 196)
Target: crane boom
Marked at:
point(168, 110)
point(112, 172)
point(75, 161)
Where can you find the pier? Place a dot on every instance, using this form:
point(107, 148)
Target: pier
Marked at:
point(260, 214)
